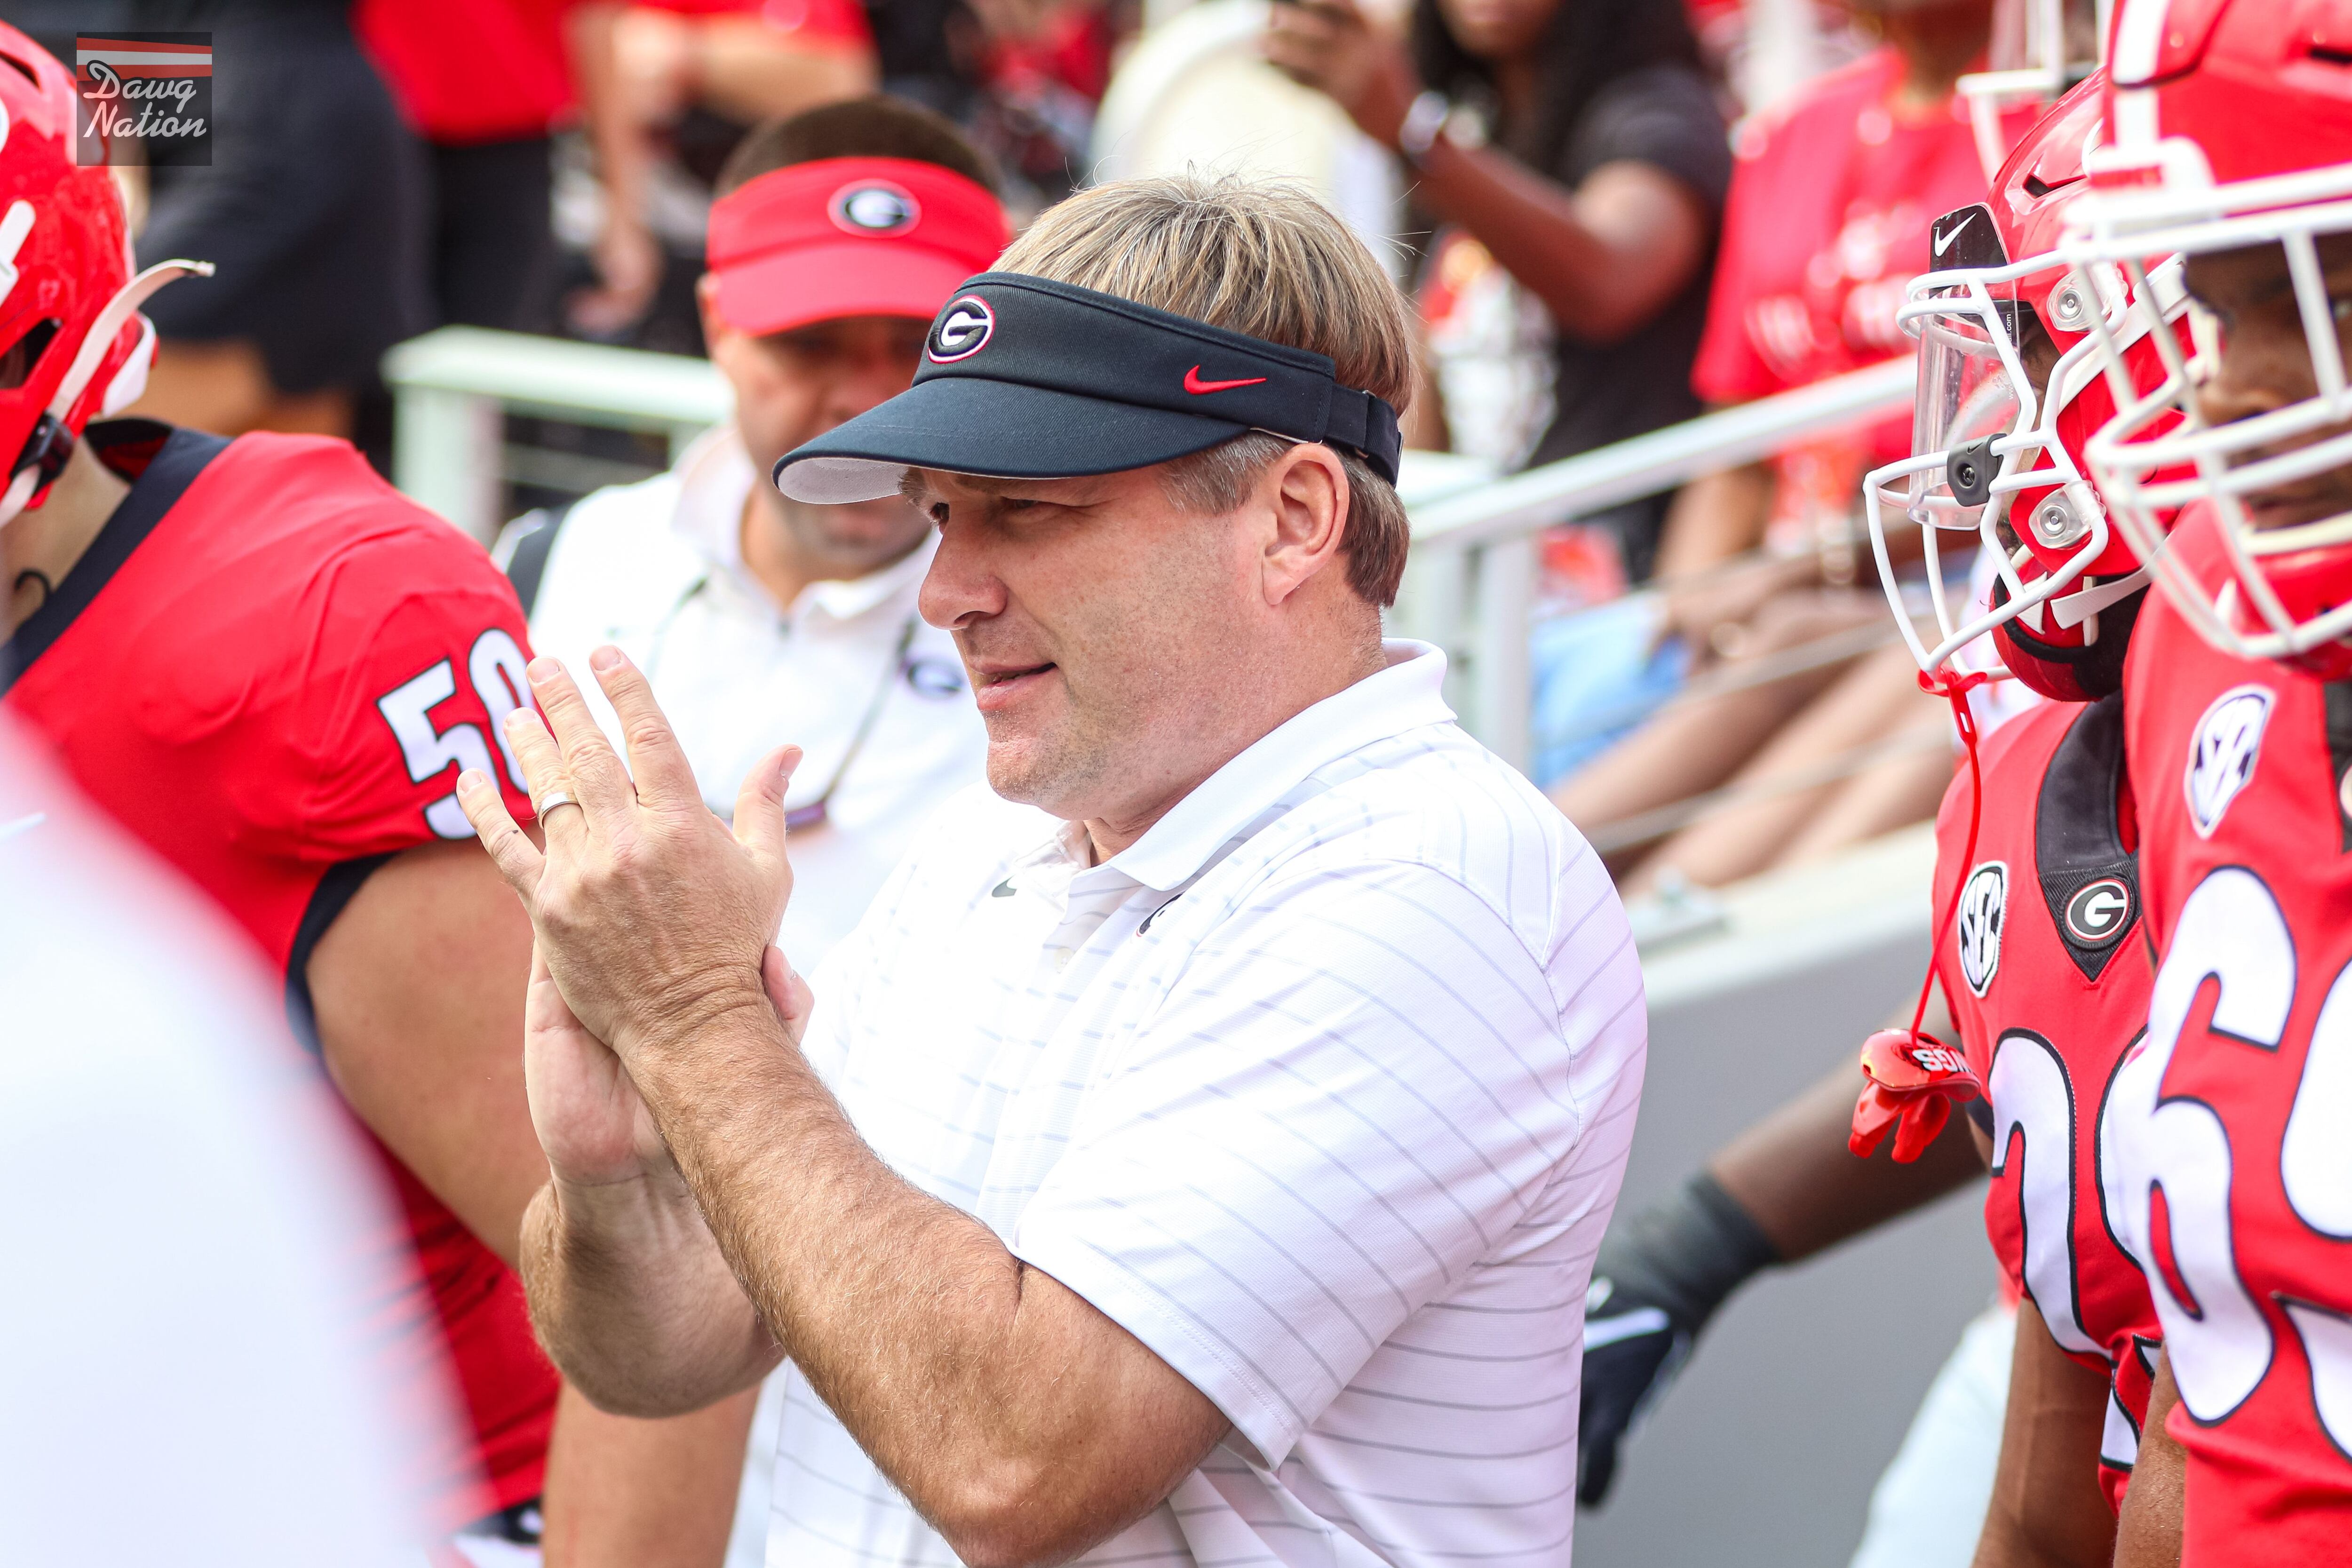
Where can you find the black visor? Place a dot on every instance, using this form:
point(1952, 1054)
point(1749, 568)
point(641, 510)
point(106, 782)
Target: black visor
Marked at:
point(1026, 379)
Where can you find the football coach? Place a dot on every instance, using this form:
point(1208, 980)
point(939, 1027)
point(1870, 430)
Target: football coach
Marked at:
point(1198, 1154)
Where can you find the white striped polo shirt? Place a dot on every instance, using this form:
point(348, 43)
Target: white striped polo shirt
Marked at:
point(1322, 1089)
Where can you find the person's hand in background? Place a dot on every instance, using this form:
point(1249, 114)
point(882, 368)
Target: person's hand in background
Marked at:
point(1333, 47)
point(628, 261)
point(1715, 611)
point(627, 258)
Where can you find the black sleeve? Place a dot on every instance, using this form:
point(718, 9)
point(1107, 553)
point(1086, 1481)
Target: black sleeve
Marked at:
point(334, 890)
point(1663, 115)
point(533, 542)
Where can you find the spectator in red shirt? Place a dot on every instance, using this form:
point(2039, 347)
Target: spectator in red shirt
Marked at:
point(483, 82)
point(1826, 222)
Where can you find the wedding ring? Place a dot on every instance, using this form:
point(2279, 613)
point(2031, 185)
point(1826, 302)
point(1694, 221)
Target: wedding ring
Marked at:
point(552, 799)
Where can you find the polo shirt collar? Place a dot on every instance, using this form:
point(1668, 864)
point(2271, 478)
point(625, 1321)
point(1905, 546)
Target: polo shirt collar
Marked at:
point(1408, 694)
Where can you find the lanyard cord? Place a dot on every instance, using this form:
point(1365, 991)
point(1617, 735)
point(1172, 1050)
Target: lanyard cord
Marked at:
point(1954, 686)
point(813, 813)
point(1910, 1079)
point(815, 810)
point(694, 590)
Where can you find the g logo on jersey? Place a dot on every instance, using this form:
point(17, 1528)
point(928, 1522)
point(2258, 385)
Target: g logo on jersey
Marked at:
point(2222, 758)
point(1984, 908)
point(2099, 911)
point(874, 207)
point(962, 329)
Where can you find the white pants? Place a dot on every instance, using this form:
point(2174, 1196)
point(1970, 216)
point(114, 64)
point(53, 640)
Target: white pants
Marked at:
point(1929, 1505)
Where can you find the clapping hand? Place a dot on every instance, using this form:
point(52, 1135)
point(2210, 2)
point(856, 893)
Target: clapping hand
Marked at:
point(654, 919)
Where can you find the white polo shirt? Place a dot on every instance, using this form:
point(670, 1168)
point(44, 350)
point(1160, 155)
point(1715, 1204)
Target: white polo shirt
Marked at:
point(657, 568)
point(1322, 1089)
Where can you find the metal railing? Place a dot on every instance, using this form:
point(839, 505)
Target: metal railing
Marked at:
point(452, 388)
point(1470, 585)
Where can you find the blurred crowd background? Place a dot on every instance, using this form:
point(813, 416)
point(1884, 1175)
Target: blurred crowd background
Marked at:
point(1715, 690)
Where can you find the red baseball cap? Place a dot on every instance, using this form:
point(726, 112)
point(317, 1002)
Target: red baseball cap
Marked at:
point(849, 236)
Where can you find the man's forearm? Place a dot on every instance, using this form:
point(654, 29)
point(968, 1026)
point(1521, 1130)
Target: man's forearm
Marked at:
point(2047, 1508)
point(625, 1493)
point(1604, 258)
point(2149, 1534)
point(635, 1301)
point(1020, 1421)
point(794, 1200)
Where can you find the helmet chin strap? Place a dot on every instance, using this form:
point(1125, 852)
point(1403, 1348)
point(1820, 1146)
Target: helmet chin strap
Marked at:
point(28, 480)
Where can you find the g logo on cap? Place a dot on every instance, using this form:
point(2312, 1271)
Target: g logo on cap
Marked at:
point(874, 209)
point(962, 329)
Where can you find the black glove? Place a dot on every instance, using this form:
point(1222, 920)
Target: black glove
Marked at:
point(1660, 1277)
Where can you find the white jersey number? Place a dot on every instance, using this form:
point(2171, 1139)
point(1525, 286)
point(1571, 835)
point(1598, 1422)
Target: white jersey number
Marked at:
point(2233, 931)
point(495, 667)
point(2033, 1109)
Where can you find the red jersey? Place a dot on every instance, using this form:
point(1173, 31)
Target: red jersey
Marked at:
point(2232, 1126)
point(2047, 977)
point(469, 72)
point(269, 666)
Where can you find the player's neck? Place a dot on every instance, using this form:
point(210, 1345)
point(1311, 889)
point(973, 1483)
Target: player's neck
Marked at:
point(39, 547)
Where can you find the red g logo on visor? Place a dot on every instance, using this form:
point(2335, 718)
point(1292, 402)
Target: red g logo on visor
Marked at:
point(962, 329)
point(874, 209)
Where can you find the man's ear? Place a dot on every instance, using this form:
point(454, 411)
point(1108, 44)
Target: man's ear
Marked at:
point(1306, 490)
point(705, 301)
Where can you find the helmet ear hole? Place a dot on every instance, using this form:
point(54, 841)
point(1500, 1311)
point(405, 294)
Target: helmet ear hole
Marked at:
point(21, 68)
point(18, 361)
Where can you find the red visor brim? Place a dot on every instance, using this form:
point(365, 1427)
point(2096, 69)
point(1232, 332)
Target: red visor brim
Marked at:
point(789, 289)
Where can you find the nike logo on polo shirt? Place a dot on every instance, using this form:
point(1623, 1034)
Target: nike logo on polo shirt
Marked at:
point(1003, 890)
point(1196, 386)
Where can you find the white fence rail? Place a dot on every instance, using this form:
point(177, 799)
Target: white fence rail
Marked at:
point(1470, 586)
point(451, 389)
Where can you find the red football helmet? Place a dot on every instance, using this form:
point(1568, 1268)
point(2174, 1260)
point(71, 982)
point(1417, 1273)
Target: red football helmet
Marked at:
point(2229, 129)
point(72, 344)
point(2010, 389)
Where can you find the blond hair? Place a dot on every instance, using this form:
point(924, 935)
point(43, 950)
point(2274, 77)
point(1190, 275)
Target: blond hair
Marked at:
point(1253, 256)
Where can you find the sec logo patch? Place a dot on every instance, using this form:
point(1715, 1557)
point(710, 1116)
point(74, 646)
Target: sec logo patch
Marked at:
point(2099, 911)
point(1984, 908)
point(962, 329)
point(2222, 758)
